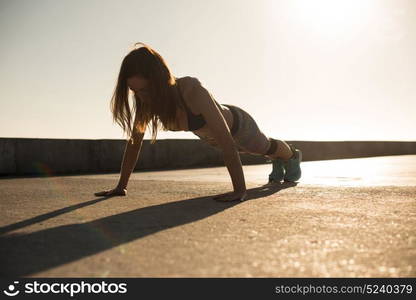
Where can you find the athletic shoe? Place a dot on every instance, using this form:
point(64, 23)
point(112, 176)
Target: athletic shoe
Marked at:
point(278, 172)
point(292, 165)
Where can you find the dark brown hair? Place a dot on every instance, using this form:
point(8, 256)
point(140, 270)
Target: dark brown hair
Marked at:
point(161, 110)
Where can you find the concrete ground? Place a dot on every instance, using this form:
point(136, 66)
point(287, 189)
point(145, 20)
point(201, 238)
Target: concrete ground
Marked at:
point(345, 218)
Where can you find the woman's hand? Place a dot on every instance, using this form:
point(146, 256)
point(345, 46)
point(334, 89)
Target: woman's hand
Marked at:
point(231, 196)
point(114, 192)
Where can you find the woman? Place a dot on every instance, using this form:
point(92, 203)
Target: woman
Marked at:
point(183, 104)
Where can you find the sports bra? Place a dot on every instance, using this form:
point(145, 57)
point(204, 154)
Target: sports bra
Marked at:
point(195, 122)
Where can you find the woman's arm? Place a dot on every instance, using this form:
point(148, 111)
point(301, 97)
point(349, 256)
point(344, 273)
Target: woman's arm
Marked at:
point(131, 154)
point(203, 102)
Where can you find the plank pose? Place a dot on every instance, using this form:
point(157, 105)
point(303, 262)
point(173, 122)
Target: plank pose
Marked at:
point(162, 100)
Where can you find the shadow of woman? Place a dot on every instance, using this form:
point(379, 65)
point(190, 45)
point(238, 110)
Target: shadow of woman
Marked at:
point(25, 254)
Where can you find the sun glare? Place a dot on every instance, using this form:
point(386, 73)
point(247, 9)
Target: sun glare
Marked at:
point(331, 17)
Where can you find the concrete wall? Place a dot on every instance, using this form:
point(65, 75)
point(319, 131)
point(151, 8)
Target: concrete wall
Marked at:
point(26, 156)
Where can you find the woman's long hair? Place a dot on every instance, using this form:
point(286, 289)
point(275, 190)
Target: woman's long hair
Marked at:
point(161, 109)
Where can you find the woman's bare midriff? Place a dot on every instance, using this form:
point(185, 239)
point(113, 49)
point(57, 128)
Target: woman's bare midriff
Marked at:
point(228, 116)
point(182, 122)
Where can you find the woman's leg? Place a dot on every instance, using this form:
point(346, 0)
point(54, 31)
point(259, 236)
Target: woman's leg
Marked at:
point(250, 139)
point(279, 149)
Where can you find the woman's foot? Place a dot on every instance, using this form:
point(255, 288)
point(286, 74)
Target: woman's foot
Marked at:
point(292, 166)
point(278, 172)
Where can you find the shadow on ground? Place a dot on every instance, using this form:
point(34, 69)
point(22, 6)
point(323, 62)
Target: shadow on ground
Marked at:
point(25, 254)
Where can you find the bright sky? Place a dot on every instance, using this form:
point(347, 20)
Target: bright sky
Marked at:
point(305, 70)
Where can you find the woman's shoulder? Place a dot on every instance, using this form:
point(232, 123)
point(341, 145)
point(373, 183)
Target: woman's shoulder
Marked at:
point(187, 82)
point(189, 87)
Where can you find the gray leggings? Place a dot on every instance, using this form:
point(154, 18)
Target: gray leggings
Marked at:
point(248, 138)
